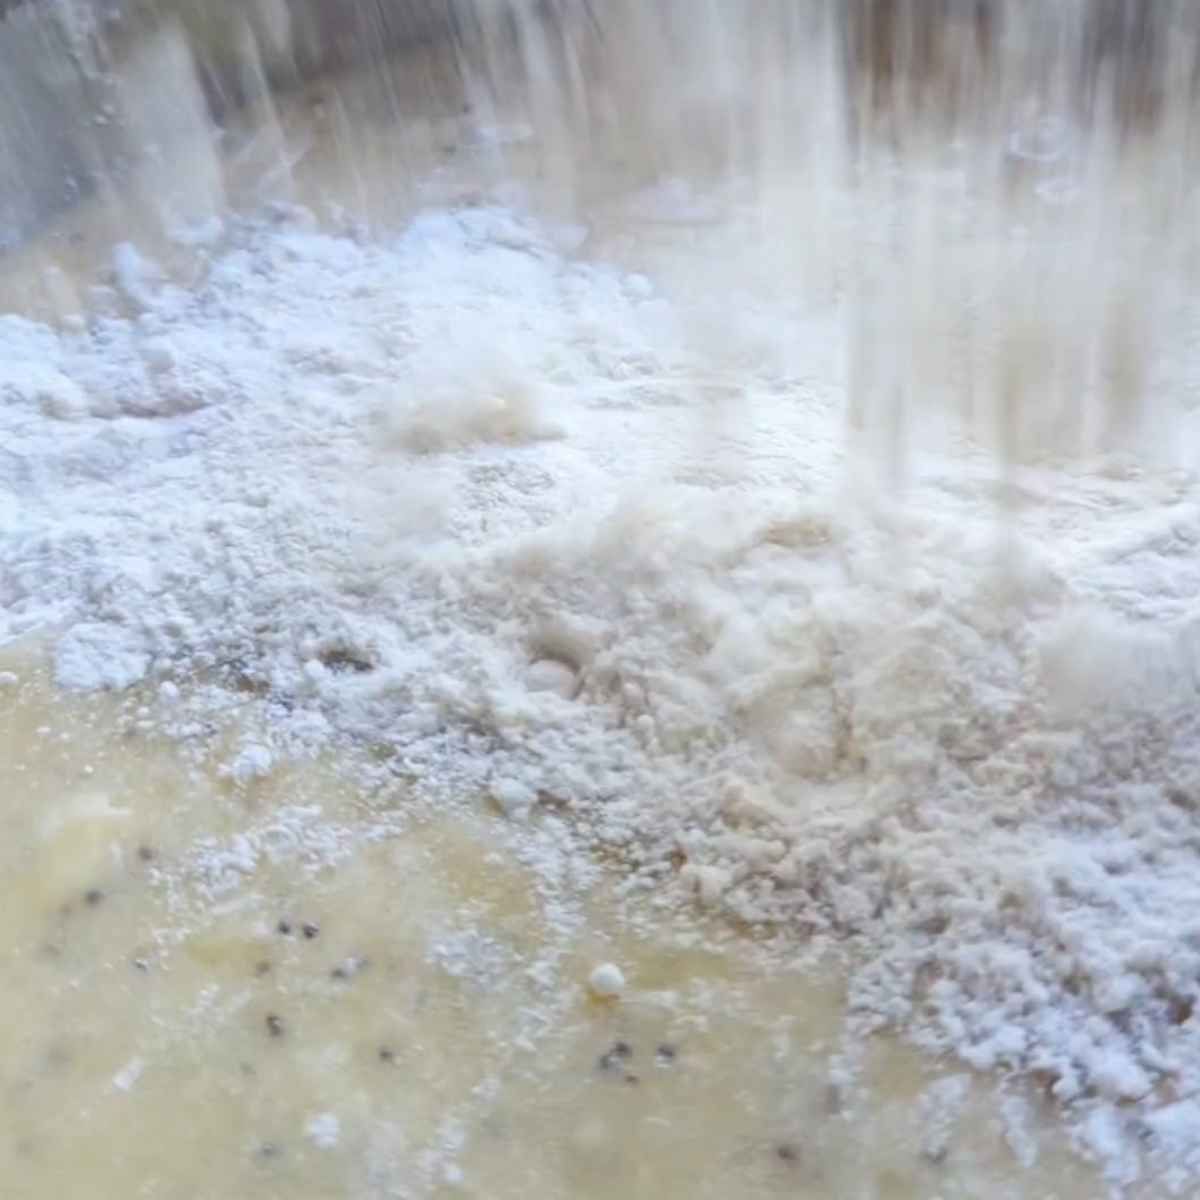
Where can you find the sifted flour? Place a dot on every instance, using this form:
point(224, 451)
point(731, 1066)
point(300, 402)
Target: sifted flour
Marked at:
point(505, 519)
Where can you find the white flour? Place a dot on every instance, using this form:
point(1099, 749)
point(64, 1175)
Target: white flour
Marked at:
point(504, 518)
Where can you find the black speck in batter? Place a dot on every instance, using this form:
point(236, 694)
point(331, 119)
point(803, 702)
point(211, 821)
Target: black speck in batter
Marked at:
point(614, 1056)
point(310, 930)
point(349, 968)
point(274, 1025)
point(92, 897)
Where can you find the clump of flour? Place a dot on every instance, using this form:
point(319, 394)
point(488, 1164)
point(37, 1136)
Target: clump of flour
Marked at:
point(756, 689)
point(459, 393)
point(324, 1131)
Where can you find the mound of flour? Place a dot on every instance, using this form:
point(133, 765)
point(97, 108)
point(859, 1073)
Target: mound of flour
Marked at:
point(504, 519)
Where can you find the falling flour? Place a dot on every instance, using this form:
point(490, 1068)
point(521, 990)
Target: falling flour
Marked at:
point(502, 517)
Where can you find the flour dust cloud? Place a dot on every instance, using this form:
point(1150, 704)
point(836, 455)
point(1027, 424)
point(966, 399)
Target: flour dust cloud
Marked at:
point(675, 533)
